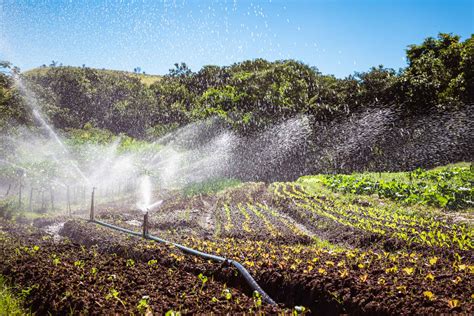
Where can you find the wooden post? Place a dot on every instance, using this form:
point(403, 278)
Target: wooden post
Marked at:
point(92, 217)
point(145, 225)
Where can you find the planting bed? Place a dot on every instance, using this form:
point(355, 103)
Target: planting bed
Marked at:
point(99, 271)
point(306, 246)
point(385, 259)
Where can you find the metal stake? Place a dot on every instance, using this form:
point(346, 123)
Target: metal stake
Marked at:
point(145, 225)
point(92, 217)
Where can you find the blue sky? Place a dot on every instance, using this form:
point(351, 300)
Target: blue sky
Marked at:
point(338, 37)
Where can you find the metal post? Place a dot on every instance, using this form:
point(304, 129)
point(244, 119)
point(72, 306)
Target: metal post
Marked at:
point(92, 217)
point(145, 225)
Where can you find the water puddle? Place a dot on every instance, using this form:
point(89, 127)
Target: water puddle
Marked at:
point(134, 222)
point(54, 229)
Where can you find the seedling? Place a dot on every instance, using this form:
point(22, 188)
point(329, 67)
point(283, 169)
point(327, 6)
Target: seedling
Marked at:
point(113, 293)
point(79, 263)
point(429, 295)
point(227, 294)
point(143, 307)
point(203, 279)
point(257, 299)
point(299, 310)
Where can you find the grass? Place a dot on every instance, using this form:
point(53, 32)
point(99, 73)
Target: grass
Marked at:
point(9, 304)
point(209, 186)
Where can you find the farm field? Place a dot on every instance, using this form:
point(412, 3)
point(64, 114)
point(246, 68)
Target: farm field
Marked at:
point(236, 158)
point(322, 244)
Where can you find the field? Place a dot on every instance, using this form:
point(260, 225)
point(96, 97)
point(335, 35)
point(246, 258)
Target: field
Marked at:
point(321, 244)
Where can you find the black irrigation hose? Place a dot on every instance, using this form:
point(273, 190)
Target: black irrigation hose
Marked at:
point(250, 280)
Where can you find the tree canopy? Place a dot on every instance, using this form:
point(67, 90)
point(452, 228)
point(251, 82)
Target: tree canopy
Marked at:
point(248, 96)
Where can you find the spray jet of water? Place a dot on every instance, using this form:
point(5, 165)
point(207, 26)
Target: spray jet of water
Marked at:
point(34, 107)
point(154, 205)
point(145, 187)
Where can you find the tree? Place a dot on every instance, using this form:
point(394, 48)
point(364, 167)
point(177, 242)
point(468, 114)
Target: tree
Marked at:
point(180, 70)
point(377, 86)
point(12, 109)
point(434, 77)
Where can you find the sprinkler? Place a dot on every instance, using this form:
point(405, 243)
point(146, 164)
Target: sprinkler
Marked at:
point(146, 211)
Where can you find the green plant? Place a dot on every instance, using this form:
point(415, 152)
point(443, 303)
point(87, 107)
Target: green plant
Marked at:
point(9, 304)
point(130, 263)
point(7, 208)
point(27, 291)
point(56, 259)
point(227, 294)
point(143, 305)
point(203, 279)
point(79, 263)
point(114, 294)
point(257, 299)
point(209, 186)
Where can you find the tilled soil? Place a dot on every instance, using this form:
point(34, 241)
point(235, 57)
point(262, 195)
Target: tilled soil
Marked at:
point(94, 276)
point(375, 274)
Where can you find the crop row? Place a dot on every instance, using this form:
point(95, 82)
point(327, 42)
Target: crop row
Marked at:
point(405, 282)
point(241, 216)
point(450, 188)
point(429, 232)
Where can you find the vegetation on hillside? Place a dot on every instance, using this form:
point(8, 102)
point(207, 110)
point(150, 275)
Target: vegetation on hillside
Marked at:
point(248, 95)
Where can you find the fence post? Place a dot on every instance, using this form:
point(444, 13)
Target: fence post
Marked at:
point(92, 216)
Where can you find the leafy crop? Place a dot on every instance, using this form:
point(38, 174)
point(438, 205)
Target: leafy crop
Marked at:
point(450, 188)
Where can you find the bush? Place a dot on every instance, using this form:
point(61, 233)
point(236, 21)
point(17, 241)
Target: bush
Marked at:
point(7, 208)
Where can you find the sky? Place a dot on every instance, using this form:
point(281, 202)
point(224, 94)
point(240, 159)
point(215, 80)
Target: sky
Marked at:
point(338, 37)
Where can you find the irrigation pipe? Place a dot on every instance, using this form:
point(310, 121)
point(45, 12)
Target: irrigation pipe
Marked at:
point(248, 278)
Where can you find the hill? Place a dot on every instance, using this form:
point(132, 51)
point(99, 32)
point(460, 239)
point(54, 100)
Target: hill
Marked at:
point(144, 78)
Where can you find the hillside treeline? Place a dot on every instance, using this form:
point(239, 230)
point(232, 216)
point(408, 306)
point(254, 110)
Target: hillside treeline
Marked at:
point(248, 96)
